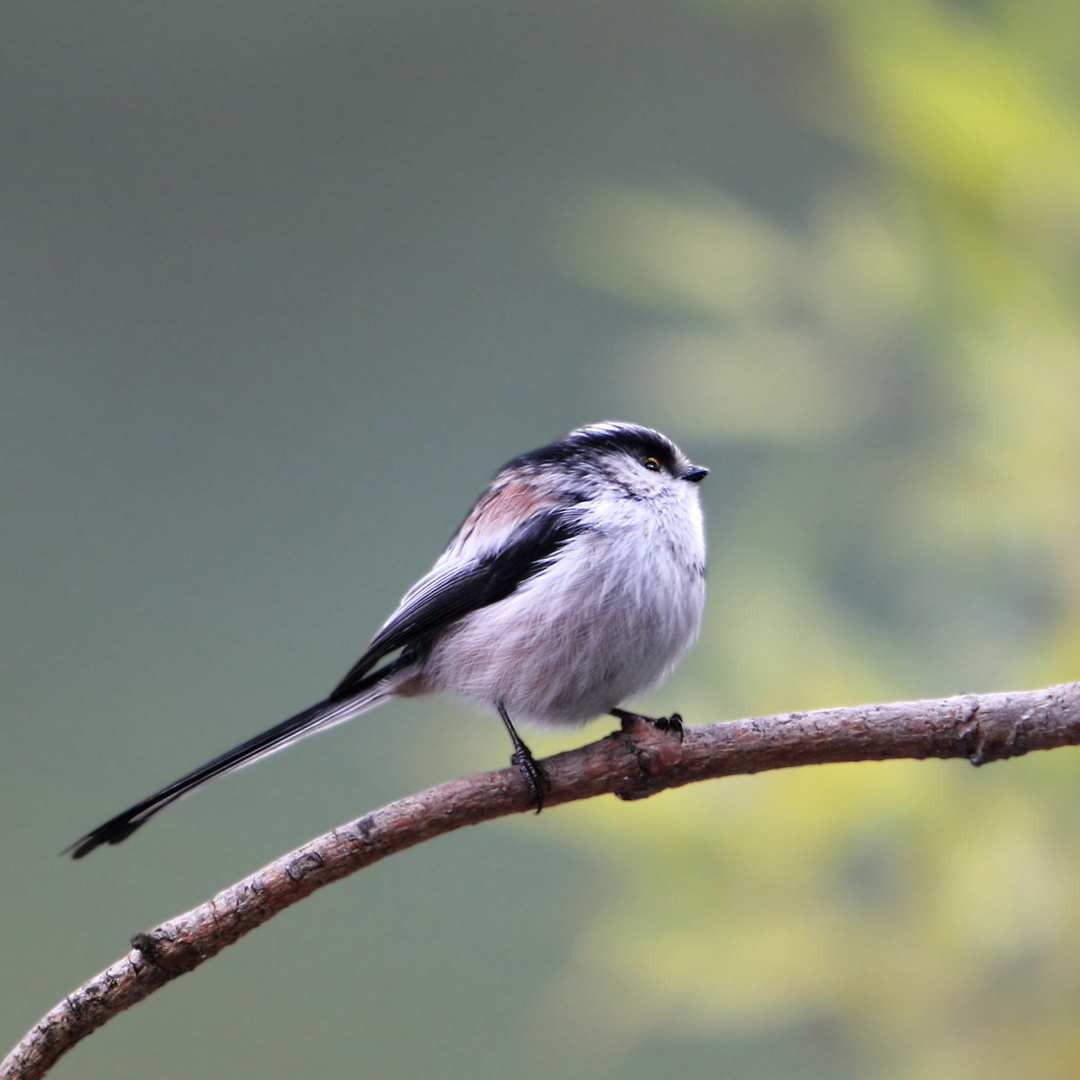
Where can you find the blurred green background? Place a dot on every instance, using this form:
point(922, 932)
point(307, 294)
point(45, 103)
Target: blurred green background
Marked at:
point(282, 284)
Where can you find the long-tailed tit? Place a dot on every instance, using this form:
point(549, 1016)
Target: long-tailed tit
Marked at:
point(576, 582)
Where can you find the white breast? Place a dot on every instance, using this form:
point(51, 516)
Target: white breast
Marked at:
point(609, 618)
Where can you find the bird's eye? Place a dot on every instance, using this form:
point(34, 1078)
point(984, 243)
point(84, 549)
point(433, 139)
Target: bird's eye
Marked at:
point(652, 464)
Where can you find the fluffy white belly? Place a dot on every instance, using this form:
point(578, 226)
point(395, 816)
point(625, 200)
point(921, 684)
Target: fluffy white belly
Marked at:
point(577, 639)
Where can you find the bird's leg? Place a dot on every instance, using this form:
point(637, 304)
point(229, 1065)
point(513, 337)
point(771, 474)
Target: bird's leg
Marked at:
point(672, 724)
point(534, 773)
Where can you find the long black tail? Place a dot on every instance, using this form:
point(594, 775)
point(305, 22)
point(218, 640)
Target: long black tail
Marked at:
point(323, 715)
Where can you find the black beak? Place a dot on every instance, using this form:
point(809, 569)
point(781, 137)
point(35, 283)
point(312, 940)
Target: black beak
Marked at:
point(695, 474)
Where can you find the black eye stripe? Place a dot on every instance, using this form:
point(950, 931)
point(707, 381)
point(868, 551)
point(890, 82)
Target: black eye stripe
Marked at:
point(581, 447)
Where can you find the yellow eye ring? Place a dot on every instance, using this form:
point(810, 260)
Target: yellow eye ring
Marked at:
point(652, 464)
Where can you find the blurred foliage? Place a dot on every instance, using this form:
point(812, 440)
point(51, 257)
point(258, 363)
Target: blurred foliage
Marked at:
point(892, 388)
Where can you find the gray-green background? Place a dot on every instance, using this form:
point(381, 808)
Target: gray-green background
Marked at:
point(282, 284)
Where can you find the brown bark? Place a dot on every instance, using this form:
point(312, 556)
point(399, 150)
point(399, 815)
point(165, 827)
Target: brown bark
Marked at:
point(633, 763)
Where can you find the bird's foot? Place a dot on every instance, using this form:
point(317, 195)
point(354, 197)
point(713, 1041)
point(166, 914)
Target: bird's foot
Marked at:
point(655, 752)
point(672, 724)
point(535, 774)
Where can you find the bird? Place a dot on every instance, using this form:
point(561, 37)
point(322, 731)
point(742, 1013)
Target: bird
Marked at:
point(576, 581)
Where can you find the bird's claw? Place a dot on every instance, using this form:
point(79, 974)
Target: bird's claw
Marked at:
point(672, 725)
point(535, 775)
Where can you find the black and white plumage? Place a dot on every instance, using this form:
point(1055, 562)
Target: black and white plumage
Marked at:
point(576, 582)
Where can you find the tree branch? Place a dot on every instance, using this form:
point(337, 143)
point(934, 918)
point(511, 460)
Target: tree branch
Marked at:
point(634, 763)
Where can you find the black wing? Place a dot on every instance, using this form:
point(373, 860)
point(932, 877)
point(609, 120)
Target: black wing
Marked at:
point(450, 592)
